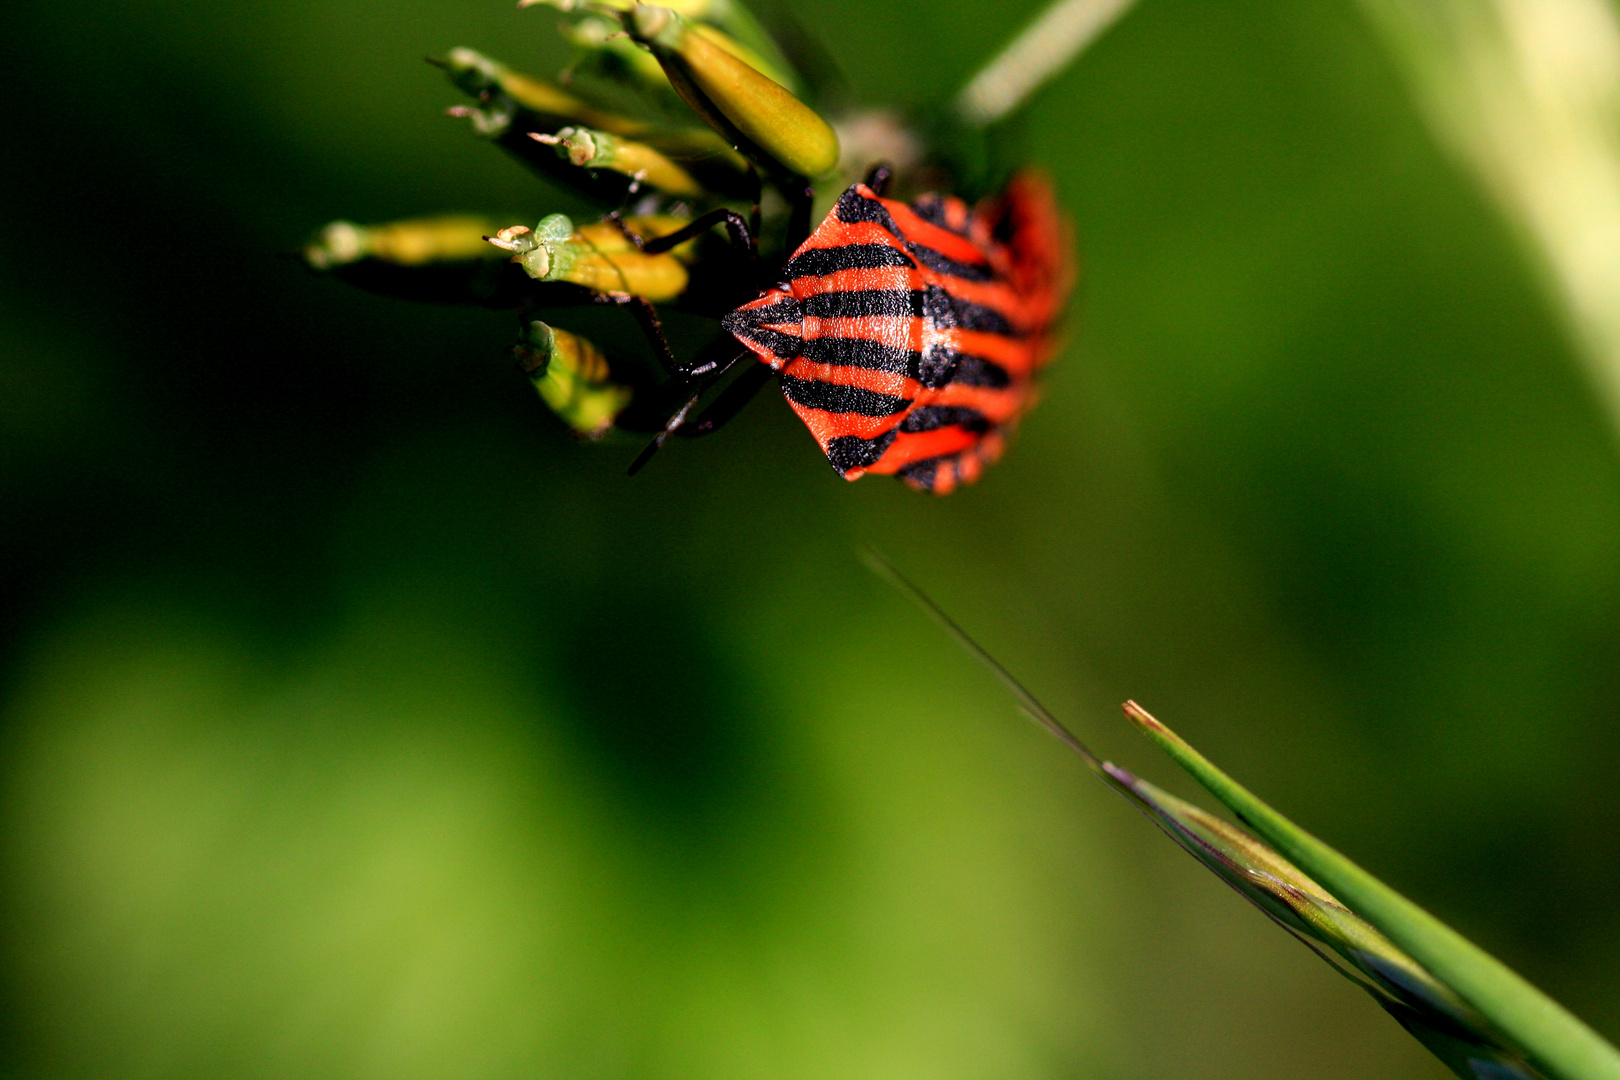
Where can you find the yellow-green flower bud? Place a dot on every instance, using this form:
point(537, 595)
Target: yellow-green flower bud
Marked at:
point(746, 106)
point(601, 150)
point(506, 96)
point(416, 242)
point(738, 30)
point(776, 72)
point(481, 76)
point(554, 251)
point(573, 378)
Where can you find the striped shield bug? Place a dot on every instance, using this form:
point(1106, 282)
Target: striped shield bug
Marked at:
point(906, 337)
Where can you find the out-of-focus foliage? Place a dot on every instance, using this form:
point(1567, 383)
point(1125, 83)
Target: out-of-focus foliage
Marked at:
point(359, 721)
point(1526, 93)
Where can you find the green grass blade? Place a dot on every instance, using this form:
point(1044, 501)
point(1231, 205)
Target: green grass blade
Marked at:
point(1455, 1033)
point(1557, 1042)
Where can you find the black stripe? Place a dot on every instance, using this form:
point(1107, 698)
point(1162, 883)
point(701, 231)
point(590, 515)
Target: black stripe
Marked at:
point(935, 304)
point(939, 308)
point(931, 208)
point(986, 320)
point(862, 353)
point(830, 397)
point(941, 263)
point(943, 310)
point(848, 452)
point(977, 371)
point(937, 366)
point(920, 474)
point(862, 303)
point(852, 207)
point(787, 311)
point(784, 346)
point(818, 262)
point(949, 312)
point(933, 417)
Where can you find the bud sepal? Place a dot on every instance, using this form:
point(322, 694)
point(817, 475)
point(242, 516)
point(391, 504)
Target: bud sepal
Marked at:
point(554, 251)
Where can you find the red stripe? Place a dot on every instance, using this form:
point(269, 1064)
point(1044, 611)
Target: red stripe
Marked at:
point(879, 382)
point(918, 446)
point(951, 245)
point(885, 278)
point(827, 426)
point(998, 406)
point(843, 233)
point(902, 333)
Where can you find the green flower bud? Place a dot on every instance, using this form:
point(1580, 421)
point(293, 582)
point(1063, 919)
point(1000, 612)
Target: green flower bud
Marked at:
point(747, 107)
point(600, 150)
point(554, 251)
point(512, 105)
point(737, 26)
point(482, 77)
point(573, 378)
point(441, 260)
point(416, 242)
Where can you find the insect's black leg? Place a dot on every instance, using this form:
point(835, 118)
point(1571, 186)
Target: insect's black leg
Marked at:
point(878, 179)
point(616, 219)
point(742, 237)
point(713, 360)
point(723, 408)
point(731, 400)
point(669, 429)
point(648, 319)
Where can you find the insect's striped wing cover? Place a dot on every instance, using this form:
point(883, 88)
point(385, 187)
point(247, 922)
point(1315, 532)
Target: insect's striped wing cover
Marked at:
point(1003, 331)
point(901, 337)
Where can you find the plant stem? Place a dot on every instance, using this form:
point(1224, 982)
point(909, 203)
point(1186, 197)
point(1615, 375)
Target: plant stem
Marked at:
point(1044, 49)
point(1525, 93)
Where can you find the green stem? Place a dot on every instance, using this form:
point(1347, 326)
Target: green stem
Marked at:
point(1557, 1042)
point(1045, 48)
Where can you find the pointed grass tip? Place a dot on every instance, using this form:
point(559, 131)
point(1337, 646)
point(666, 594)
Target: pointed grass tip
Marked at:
point(1144, 719)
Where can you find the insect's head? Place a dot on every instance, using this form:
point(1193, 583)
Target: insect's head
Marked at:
point(771, 326)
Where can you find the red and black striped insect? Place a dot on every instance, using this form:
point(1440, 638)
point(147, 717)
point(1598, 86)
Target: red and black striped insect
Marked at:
point(907, 337)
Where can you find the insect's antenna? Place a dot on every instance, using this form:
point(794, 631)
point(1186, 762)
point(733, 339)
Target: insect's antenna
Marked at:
point(878, 178)
point(1027, 701)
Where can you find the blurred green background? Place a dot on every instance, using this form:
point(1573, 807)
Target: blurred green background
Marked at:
point(355, 721)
